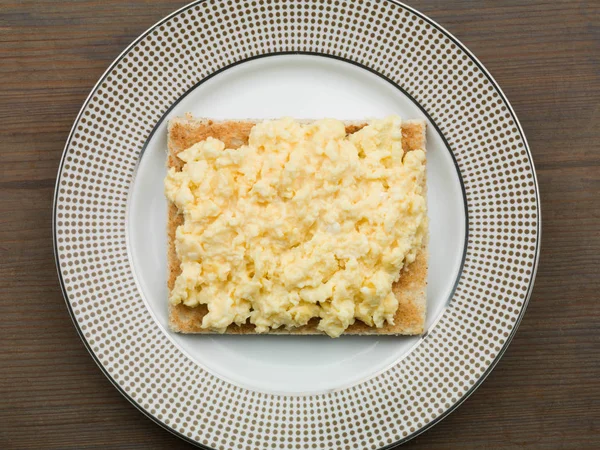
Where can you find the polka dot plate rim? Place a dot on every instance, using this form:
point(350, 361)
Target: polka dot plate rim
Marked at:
point(91, 204)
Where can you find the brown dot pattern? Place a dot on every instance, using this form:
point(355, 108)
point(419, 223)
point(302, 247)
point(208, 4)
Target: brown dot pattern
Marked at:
point(97, 172)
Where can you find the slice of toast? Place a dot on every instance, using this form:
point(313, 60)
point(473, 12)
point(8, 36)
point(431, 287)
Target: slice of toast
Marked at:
point(410, 289)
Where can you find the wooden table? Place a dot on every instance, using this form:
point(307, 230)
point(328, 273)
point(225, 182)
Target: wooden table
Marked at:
point(545, 393)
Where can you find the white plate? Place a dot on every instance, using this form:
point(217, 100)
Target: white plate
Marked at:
point(246, 61)
point(322, 87)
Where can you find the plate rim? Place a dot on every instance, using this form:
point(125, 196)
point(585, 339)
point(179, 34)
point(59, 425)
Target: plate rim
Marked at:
point(527, 148)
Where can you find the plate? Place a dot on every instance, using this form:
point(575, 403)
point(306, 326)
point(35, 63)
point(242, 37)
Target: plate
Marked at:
point(303, 59)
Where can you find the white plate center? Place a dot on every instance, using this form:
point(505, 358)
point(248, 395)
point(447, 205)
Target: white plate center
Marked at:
point(304, 87)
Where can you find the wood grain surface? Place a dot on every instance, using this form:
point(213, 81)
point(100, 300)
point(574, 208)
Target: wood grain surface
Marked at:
point(545, 392)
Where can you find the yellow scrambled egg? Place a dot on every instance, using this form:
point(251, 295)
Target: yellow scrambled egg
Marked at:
point(303, 222)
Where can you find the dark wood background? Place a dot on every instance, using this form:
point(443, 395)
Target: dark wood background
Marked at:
point(545, 393)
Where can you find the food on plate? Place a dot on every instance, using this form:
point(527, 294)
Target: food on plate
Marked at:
point(296, 227)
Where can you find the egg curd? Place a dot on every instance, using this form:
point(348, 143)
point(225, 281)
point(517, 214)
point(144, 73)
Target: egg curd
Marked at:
point(303, 222)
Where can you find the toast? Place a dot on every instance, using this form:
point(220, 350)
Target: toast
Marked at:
point(410, 289)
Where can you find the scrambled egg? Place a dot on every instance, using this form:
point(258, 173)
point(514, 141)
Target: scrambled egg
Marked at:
point(303, 222)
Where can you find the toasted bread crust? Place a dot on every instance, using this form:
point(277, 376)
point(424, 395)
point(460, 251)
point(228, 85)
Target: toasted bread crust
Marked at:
point(410, 290)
